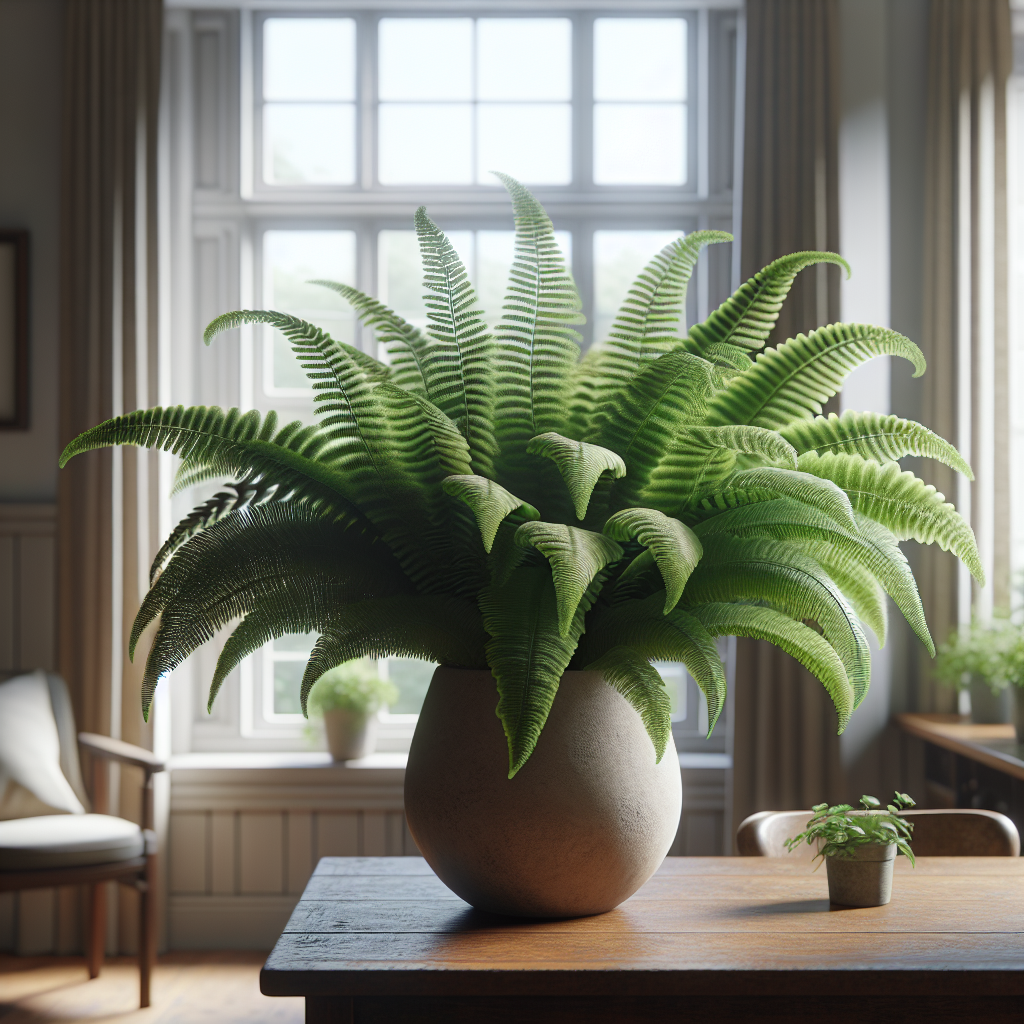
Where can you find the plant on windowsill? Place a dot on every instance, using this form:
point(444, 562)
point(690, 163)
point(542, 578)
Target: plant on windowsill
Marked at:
point(859, 847)
point(544, 527)
point(348, 698)
point(989, 658)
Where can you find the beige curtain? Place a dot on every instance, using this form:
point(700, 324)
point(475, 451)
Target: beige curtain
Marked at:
point(108, 354)
point(785, 750)
point(965, 301)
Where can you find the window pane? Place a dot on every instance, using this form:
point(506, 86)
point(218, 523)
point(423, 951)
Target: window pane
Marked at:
point(412, 677)
point(425, 58)
point(639, 144)
point(309, 59)
point(618, 257)
point(524, 59)
point(640, 59)
point(287, 685)
point(532, 142)
point(290, 260)
point(425, 143)
point(309, 143)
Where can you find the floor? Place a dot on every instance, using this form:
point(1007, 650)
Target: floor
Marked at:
point(188, 988)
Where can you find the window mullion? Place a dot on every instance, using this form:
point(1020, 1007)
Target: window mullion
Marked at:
point(583, 103)
point(366, 57)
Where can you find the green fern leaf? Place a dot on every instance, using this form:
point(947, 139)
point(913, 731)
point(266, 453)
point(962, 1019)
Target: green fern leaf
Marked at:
point(673, 546)
point(799, 641)
point(702, 457)
point(793, 381)
point(461, 364)
point(638, 681)
point(580, 464)
point(406, 344)
point(856, 581)
point(873, 547)
point(678, 636)
point(527, 653)
point(537, 347)
point(905, 505)
point(489, 502)
point(744, 321)
point(576, 557)
point(800, 486)
point(873, 436)
point(779, 575)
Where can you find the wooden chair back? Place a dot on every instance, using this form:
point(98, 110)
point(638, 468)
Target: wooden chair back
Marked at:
point(941, 833)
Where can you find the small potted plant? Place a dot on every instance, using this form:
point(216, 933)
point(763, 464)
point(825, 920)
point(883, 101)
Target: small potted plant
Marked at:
point(859, 848)
point(989, 658)
point(348, 698)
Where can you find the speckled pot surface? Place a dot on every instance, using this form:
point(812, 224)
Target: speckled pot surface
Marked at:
point(863, 880)
point(585, 822)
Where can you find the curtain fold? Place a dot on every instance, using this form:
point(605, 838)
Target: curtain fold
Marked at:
point(785, 748)
point(108, 351)
point(965, 332)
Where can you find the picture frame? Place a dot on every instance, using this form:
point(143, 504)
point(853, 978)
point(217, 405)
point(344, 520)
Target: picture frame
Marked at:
point(13, 329)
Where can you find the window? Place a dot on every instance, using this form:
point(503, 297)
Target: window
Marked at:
point(303, 140)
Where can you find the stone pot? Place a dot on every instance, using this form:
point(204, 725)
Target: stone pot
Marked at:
point(584, 823)
point(864, 879)
point(989, 708)
point(350, 734)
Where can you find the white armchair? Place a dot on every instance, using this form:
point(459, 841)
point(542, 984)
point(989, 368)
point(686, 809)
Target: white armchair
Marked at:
point(48, 836)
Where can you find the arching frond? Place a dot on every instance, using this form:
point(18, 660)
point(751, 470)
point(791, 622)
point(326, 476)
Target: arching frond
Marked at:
point(580, 464)
point(800, 486)
point(489, 502)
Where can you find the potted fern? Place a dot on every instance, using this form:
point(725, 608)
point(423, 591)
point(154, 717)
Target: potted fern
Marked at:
point(544, 527)
point(348, 698)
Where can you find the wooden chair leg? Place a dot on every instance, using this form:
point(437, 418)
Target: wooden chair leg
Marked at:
point(147, 931)
point(97, 938)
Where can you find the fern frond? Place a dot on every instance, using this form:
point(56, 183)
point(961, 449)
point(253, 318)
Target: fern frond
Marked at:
point(405, 343)
point(537, 347)
point(489, 502)
point(527, 653)
point(580, 464)
point(800, 486)
point(856, 581)
point(460, 359)
point(678, 636)
point(702, 457)
point(811, 649)
point(638, 681)
point(576, 557)
point(873, 436)
point(904, 504)
point(741, 324)
point(437, 628)
point(673, 546)
point(873, 546)
point(793, 381)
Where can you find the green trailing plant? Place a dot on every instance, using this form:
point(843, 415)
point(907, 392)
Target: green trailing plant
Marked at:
point(991, 651)
point(838, 831)
point(355, 686)
point(488, 499)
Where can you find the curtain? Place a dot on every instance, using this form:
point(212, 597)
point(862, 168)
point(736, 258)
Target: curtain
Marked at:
point(108, 355)
point(785, 748)
point(964, 337)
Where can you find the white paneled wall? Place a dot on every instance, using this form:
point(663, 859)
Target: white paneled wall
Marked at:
point(243, 841)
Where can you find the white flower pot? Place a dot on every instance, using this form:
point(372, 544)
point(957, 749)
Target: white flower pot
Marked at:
point(350, 734)
point(585, 822)
point(863, 879)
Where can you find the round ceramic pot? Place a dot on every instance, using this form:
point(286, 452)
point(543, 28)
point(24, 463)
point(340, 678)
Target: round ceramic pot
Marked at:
point(350, 734)
point(583, 824)
point(863, 879)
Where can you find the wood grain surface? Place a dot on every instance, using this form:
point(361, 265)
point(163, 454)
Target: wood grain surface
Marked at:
point(992, 745)
point(383, 939)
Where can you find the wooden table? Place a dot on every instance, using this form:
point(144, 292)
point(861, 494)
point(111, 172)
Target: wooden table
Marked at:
point(380, 939)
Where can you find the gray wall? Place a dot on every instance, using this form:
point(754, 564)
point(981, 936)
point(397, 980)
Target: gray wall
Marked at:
point(30, 125)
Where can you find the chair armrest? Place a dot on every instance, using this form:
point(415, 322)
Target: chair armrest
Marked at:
point(118, 750)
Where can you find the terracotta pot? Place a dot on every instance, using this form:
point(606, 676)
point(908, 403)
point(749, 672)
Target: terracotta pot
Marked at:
point(350, 734)
point(864, 879)
point(585, 822)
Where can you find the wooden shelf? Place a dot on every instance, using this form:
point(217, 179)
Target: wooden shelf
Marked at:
point(992, 745)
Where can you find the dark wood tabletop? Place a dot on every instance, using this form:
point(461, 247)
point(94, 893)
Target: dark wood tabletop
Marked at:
point(708, 938)
point(993, 745)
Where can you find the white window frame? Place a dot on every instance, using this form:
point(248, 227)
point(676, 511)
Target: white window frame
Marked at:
point(216, 210)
